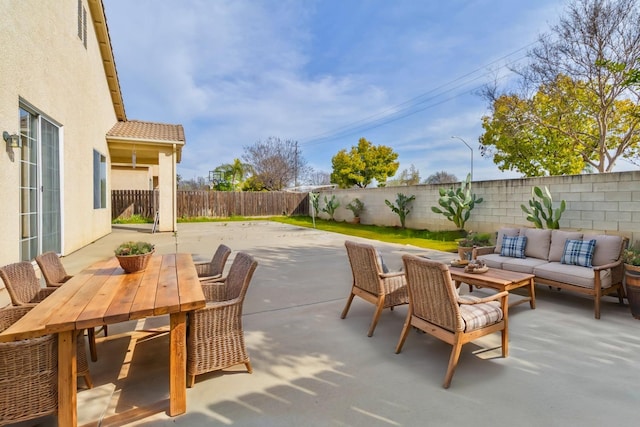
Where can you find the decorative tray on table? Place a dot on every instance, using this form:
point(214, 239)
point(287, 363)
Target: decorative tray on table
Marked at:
point(476, 266)
point(476, 270)
point(459, 263)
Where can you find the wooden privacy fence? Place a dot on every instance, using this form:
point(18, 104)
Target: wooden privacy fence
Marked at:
point(190, 204)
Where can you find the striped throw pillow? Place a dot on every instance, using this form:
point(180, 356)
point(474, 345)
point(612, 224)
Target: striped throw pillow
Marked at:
point(578, 252)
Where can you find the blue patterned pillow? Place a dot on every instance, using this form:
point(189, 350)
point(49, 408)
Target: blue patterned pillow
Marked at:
point(578, 252)
point(513, 246)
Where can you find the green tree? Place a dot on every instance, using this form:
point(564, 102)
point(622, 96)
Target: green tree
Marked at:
point(234, 174)
point(556, 131)
point(364, 163)
point(604, 103)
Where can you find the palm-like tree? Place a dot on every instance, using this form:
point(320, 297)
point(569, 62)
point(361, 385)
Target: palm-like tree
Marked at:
point(235, 173)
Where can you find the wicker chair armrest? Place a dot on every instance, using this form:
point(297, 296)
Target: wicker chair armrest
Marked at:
point(391, 274)
point(214, 278)
point(607, 266)
point(214, 291)
point(490, 298)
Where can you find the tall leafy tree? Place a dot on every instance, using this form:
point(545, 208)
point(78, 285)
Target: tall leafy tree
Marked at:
point(580, 107)
point(276, 163)
point(362, 164)
point(234, 174)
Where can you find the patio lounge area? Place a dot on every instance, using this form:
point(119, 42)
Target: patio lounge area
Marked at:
point(312, 368)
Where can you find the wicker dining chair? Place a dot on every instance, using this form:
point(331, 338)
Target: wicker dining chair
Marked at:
point(436, 308)
point(215, 338)
point(371, 283)
point(214, 268)
point(55, 276)
point(24, 289)
point(28, 373)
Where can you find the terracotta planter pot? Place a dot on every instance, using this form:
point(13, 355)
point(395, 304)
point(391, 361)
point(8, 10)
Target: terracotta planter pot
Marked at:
point(632, 285)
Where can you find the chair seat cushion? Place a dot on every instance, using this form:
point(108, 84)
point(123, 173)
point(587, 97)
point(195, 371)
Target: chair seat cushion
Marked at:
point(476, 316)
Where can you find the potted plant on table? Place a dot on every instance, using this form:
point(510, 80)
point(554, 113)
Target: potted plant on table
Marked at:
point(356, 206)
point(134, 256)
point(472, 240)
point(631, 259)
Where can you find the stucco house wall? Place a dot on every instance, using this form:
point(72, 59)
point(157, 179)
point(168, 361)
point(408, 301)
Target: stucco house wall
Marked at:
point(46, 65)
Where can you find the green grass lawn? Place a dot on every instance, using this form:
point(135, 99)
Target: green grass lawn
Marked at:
point(438, 240)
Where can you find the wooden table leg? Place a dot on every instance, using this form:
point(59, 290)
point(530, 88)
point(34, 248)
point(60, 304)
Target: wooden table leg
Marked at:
point(67, 387)
point(532, 294)
point(177, 364)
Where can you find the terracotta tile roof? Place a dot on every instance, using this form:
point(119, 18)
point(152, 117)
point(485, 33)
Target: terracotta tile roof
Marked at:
point(136, 129)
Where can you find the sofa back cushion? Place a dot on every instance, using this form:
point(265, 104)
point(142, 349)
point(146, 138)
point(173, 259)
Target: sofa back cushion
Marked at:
point(538, 242)
point(513, 232)
point(607, 250)
point(558, 238)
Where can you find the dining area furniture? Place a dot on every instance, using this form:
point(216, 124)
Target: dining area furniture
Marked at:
point(103, 294)
point(215, 338)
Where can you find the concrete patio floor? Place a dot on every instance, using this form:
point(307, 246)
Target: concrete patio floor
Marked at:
point(312, 368)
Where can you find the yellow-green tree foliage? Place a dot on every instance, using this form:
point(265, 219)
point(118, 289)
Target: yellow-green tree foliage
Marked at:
point(559, 130)
point(364, 163)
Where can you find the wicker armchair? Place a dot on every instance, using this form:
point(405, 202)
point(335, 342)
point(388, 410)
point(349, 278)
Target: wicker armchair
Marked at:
point(28, 373)
point(214, 268)
point(25, 290)
point(436, 308)
point(384, 290)
point(215, 338)
point(55, 276)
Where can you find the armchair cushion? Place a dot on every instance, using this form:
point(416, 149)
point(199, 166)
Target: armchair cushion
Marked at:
point(513, 232)
point(478, 315)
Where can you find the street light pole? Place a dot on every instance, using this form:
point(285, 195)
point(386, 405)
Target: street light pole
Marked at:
point(471, 149)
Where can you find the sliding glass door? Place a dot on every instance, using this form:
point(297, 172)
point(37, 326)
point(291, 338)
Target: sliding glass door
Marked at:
point(40, 203)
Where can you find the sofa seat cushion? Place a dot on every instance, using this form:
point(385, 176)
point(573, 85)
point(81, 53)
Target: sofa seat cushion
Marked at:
point(522, 265)
point(572, 274)
point(493, 260)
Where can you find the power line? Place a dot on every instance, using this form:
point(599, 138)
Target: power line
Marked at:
point(395, 113)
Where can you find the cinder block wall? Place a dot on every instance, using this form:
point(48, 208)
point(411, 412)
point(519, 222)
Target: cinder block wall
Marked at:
point(606, 203)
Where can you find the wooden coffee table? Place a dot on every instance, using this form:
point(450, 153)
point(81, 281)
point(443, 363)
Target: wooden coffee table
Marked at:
point(500, 280)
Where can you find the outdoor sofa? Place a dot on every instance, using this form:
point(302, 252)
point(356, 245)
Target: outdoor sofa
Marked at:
point(586, 263)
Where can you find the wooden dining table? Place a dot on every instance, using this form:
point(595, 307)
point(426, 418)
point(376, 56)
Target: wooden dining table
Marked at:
point(104, 294)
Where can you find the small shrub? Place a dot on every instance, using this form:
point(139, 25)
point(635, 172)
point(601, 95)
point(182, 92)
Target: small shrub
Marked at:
point(401, 208)
point(134, 248)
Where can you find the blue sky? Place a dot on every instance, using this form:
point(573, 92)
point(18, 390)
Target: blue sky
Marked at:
point(402, 73)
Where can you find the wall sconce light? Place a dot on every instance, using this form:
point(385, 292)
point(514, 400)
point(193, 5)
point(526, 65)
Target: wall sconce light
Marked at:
point(13, 141)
